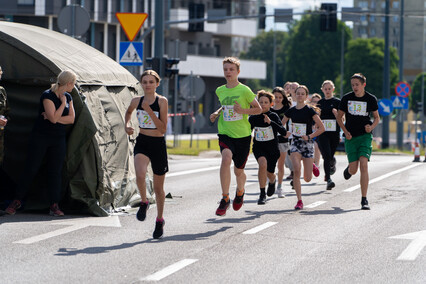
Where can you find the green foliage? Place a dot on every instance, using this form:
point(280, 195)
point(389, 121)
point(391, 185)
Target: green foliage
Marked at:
point(366, 56)
point(314, 56)
point(261, 48)
point(416, 93)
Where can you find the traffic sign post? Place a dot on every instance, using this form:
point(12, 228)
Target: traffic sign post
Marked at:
point(403, 89)
point(385, 107)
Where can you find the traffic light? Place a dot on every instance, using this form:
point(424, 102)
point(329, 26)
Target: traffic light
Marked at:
point(153, 63)
point(262, 18)
point(328, 17)
point(196, 11)
point(170, 67)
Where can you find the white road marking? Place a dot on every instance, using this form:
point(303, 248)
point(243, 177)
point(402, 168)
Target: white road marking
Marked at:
point(75, 224)
point(181, 173)
point(315, 204)
point(383, 177)
point(415, 247)
point(157, 276)
point(259, 228)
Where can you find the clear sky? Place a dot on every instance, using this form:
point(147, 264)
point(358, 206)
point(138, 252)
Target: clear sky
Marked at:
point(298, 6)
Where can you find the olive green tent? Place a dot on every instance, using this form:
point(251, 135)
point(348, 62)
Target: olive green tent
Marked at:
point(98, 174)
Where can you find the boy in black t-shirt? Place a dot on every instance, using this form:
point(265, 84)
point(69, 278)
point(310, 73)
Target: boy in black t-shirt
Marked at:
point(357, 107)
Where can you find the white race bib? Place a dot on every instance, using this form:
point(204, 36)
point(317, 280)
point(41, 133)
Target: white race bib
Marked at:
point(229, 114)
point(145, 121)
point(357, 108)
point(299, 129)
point(329, 124)
point(263, 133)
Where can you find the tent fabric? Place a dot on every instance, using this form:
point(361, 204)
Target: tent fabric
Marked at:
point(98, 172)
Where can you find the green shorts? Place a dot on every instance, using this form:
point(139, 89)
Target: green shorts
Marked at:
point(359, 146)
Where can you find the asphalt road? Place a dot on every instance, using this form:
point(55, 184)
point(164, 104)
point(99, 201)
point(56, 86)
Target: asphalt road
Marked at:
point(330, 241)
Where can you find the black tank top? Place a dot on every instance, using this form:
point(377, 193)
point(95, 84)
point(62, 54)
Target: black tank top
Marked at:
point(154, 106)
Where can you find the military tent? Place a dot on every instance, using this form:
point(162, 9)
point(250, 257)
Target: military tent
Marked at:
point(98, 172)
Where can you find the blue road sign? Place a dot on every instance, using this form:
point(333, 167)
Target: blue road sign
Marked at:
point(385, 107)
point(131, 53)
point(399, 102)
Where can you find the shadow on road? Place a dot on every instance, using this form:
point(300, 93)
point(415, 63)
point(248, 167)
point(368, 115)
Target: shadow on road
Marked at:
point(334, 211)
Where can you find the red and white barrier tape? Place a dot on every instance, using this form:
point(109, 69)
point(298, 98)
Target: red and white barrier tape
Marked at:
point(181, 114)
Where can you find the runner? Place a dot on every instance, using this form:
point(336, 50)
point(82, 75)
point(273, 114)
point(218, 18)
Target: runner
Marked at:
point(329, 140)
point(265, 143)
point(237, 101)
point(151, 111)
point(317, 154)
point(290, 88)
point(357, 107)
point(302, 146)
point(281, 105)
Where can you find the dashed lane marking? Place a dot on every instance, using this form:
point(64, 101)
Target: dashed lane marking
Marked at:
point(259, 228)
point(163, 273)
point(315, 204)
point(181, 173)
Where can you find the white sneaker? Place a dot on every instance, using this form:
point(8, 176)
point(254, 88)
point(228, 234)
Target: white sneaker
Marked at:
point(280, 192)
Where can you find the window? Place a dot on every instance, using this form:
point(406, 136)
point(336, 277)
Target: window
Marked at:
point(395, 19)
point(25, 2)
point(372, 18)
point(373, 4)
point(363, 4)
point(395, 4)
point(373, 32)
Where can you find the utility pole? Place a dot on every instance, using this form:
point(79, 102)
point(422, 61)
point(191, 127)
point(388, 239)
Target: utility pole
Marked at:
point(386, 87)
point(400, 121)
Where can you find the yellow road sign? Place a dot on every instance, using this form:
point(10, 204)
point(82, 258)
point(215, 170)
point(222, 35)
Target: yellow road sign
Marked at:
point(131, 23)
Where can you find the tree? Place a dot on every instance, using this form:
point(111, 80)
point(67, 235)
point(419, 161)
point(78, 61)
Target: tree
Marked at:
point(366, 56)
point(261, 48)
point(314, 56)
point(416, 93)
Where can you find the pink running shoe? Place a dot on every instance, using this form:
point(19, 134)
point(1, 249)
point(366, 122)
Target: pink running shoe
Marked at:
point(299, 205)
point(315, 170)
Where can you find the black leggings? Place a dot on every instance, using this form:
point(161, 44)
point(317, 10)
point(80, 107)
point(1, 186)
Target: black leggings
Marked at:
point(54, 149)
point(328, 142)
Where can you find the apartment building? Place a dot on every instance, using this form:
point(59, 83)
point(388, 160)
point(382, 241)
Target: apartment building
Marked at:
point(205, 48)
point(372, 25)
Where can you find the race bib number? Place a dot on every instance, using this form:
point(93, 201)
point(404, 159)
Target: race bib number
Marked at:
point(145, 121)
point(357, 108)
point(229, 114)
point(299, 129)
point(263, 133)
point(329, 124)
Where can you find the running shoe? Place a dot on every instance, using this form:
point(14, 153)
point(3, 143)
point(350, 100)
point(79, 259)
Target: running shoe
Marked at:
point(158, 231)
point(262, 199)
point(315, 170)
point(290, 176)
point(238, 202)
point(223, 206)
point(333, 166)
point(346, 173)
point(330, 184)
point(143, 208)
point(299, 205)
point(280, 191)
point(364, 205)
point(55, 211)
point(271, 189)
point(15, 205)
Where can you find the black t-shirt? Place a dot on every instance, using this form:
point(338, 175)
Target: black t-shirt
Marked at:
point(301, 120)
point(266, 133)
point(44, 126)
point(327, 115)
point(357, 111)
point(281, 112)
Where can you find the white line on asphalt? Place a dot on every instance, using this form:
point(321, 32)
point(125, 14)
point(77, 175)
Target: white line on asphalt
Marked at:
point(383, 177)
point(315, 204)
point(181, 173)
point(163, 273)
point(259, 228)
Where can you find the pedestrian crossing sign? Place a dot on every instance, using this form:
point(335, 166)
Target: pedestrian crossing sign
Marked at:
point(399, 102)
point(131, 53)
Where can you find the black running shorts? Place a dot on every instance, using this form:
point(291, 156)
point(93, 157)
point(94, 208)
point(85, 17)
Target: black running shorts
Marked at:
point(240, 148)
point(155, 149)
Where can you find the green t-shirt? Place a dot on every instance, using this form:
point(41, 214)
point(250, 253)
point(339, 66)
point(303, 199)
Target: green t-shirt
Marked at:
point(231, 123)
